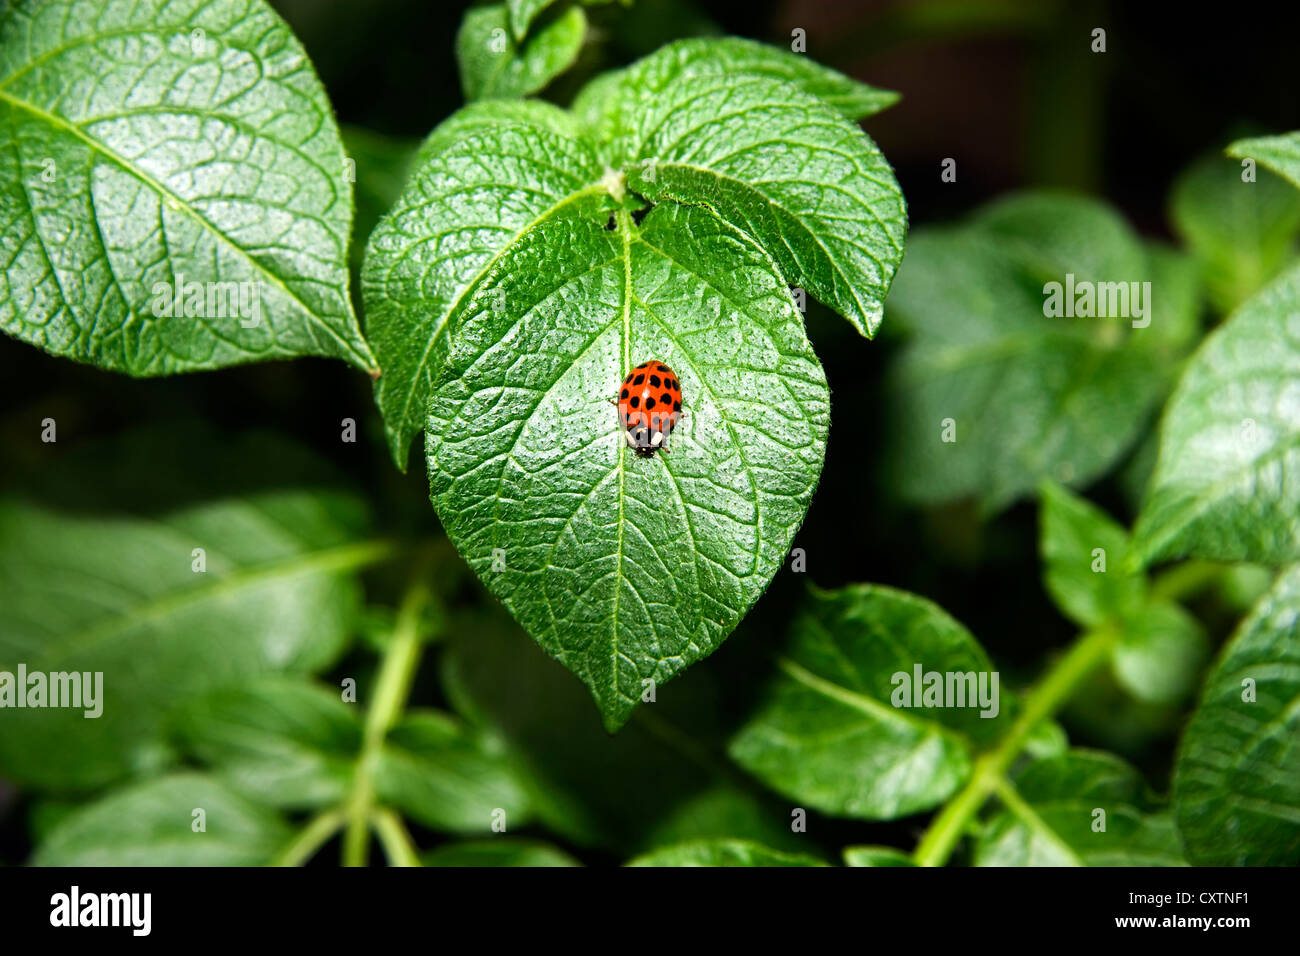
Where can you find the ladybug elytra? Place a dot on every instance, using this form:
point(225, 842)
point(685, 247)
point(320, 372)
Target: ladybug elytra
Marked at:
point(649, 405)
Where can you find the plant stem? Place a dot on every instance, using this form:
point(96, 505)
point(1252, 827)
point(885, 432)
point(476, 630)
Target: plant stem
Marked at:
point(1044, 700)
point(396, 672)
point(393, 837)
point(1185, 579)
point(310, 839)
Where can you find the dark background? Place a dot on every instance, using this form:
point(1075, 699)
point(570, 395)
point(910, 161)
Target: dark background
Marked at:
point(1010, 90)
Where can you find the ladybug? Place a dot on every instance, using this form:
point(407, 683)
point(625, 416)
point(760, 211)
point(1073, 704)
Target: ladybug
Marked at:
point(649, 405)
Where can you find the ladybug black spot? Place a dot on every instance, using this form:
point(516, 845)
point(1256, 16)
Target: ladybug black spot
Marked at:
point(624, 394)
point(666, 399)
point(649, 403)
point(661, 368)
point(677, 406)
point(636, 402)
point(654, 381)
point(638, 380)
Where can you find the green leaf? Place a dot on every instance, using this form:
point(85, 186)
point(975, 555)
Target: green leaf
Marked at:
point(1230, 441)
point(523, 13)
point(1235, 780)
point(828, 732)
point(494, 66)
point(722, 853)
point(280, 741)
point(1085, 558)
point(458, 218)
point(731, 56)
point(769, 158)
point(436, 772)
point(627, 569)
point(149, 145)
point(153, 824)
point(1242, 233)
point(991, 394)
point(1160, 653)
point(97, 576)
point(485, 115)
point(1051, 817)
point(1279, 153)
point(728, 811)
point(498, 852)
point(875, 856)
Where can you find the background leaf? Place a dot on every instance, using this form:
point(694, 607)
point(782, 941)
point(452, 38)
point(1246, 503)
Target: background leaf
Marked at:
point(1230, 442)
point(1279, 153)
point(722, 853)
point(150, 145)
point(1030, 396)
point(1242, 233)
point(1235, 781)
point(502, 851)
point(1050, 822)
point(151, 824)
point(91, 587)
point(827, 733)
point(280, 741)
point(436, 772)
point(627, 569)
point(875, 856)
point(493, 65)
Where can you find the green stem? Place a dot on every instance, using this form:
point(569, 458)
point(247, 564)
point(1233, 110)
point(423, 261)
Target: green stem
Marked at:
point(1185, 579)
point(1042, 702)
point(396, 672)
point(310, 839)
point(398, 846)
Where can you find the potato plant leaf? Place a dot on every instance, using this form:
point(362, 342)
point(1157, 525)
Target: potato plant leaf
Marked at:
point(992, 393)
point(722, 853)
point(496, 65)
point(769, 158)
point(153, 824)
point(1227, 481)
point(1053, 816)
point(213, 577)
point(437, 772)
point(627, 569)
point(1242, 232)
point(1279, 153)
point(1235, 780)
point(281, 741)
point(173, 190)
point(841, 731)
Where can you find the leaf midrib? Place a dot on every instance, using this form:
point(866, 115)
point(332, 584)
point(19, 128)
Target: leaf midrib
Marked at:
point(62, 125)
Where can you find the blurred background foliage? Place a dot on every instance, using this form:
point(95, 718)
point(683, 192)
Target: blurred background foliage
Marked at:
point(1007, 88)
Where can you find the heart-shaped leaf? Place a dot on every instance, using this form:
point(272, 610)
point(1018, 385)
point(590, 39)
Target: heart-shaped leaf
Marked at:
point(1237, 777)
point(627, 569)
point(173, 191)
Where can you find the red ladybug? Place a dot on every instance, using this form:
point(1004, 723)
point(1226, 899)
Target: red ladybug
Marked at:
point(649, 404)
